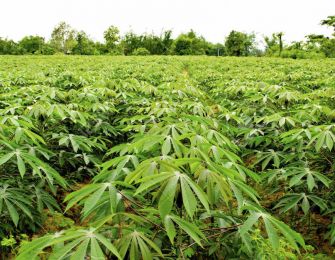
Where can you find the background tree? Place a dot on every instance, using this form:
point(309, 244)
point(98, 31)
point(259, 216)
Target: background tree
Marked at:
point(130, 42)
point(271, 44)
point(9, 47)
point(330, 21)
point(274, 45)
point(280, 40)
point(321, 44)
point(84, 45)
point(239, 44)
point(328, 47)
point(112, 37)
point(141, 52)
point(167, 41)
point(100, 48)
point(32, 44)
point(63, 38)
point(156, 45)
point(190, 44)
point(217, 49)
point(67, 40)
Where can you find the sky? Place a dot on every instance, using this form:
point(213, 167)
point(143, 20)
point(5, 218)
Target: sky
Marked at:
point(213, 19)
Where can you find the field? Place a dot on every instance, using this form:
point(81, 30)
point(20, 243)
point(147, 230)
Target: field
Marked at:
point(166, 157)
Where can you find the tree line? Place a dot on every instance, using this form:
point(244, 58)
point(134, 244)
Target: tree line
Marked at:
point(65, 39)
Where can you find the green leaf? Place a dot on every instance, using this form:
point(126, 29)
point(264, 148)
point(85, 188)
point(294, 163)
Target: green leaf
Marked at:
point(253, 218)
point(64, 251)
point(329, 142)
point(189, 201)
point(170, 229)
point(305, 205)
point(20, 165)
point(166, 147)
point(320, 141)
point(326, 181)
point(198, 191)
point(310, 181)
point(108, 245)
point(81, 251)
point(149, 181)
point(78, 195)
point(12, 212)
point(292, 236)
point(290, 202)
point(296, 179)
point(32, 249)
point(192, 230)
point(145, 252)
point(6, 157)
point(151, 244)
point(94, 198)
point(166, 199)
point(272, 233)
point(96, 252)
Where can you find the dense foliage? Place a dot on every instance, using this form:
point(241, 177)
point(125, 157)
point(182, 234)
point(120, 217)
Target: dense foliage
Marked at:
point(67, 40)
point(174, 157)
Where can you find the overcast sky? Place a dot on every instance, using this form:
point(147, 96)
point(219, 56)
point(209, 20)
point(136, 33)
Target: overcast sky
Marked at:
point(213, 19)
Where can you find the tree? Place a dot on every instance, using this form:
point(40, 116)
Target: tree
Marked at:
point(63, 38)
point(167, 41)
point(239, 44)
point(190, 44)
point(32, 44)
point(84, 45)
point(315, 38)
point(328, 47)
point(112, 37)
point(217, 49)
point(9, 47)
point(280, 39)
point(131, 42)
point(320, 43)
point(141, 52)
point(274, 44)
point(156, 45)
point(100, 48)
point(271, 44)
point(330, 21)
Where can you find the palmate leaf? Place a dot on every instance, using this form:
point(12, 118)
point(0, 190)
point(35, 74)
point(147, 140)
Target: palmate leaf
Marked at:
point(189, 228)
point(166, 147)
point(266, 157)
point(21, 133)
point(145, 168)
point(96, 196)
point(119, 163)
point(78, 142)
point(299, 175)
point(5, 158)
point(39, 167)
point(159, 164)
point(44, 199)
point(322, 136)
point(292, 201)
point(138, 245)
point(273, 226)
point(167, 182)
point(78, 243)
point(167, 197)
point(14, 202)
point(215, 185)
point(240, 188)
